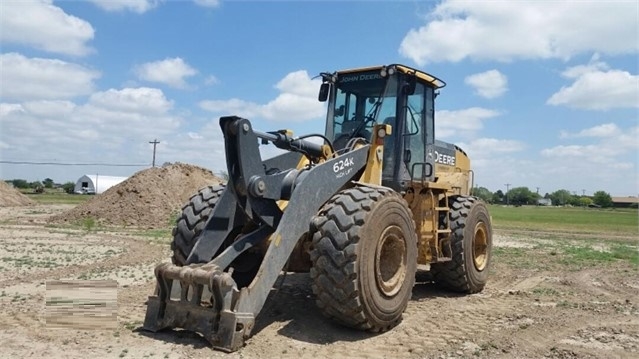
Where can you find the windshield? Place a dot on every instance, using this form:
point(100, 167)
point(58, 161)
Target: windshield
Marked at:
point(361, 100)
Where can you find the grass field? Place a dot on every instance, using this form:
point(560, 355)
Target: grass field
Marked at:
point(575, 219)
point(571, 219)
point(58, 198)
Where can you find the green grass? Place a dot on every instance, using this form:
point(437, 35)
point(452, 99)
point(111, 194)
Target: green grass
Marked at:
point(162, 235)
point(58, 198)
point(616, 252)
point(617, 221)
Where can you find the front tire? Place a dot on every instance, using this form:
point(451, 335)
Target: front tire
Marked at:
point(190, 225)
point(471, 245)
point(364, 255)
point(192, 220)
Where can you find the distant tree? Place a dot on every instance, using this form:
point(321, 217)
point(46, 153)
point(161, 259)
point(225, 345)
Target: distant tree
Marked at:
point(498, 197)
point(602, 199)
point(68, 187)
point(48, 183)
point(483, 193)
point(19, 183)
point(520, 196)
point(36, 184)
point(585, 201)
point(560, 197)
point(535, 196)
point(574, 200)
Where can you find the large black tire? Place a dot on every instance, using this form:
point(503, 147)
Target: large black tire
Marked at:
point(192, 220)
point(471, 245)
point(364, 255)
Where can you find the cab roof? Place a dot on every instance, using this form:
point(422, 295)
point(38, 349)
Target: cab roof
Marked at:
point(432, 80)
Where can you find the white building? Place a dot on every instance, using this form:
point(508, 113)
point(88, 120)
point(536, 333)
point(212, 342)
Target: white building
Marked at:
point(96, 184)
point(544, 202)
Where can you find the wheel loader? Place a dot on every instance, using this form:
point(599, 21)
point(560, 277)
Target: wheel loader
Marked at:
point(362, 208)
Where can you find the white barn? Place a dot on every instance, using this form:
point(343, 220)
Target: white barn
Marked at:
point(96, 184)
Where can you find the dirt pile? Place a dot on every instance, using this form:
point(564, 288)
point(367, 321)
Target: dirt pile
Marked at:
point(148, 199)
point(10, 196)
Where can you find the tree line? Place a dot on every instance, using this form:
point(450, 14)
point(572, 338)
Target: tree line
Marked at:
point(519, 196)
point(36, 186)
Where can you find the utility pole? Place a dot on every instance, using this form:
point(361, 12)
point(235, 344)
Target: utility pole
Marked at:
point(507, 189)
point(583, 193)
point(154, 142)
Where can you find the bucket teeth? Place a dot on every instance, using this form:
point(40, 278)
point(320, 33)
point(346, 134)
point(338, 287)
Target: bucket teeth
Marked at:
point(203, 303)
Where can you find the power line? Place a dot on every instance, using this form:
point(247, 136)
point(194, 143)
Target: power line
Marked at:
point(73, 164)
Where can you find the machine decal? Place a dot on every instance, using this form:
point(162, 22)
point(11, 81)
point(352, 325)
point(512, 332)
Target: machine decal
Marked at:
point(444, 159)
point(361, 77)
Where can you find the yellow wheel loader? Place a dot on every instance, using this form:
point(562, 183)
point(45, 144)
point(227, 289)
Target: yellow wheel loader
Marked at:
point(360, 208)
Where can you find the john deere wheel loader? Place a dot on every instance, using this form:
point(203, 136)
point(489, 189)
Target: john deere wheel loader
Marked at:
point(360, 209)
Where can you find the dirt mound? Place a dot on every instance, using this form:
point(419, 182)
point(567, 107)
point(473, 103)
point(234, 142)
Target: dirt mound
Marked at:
point(10, 196)
point(148, 199)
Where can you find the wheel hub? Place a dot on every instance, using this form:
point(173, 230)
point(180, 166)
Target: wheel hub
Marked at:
point(390, 261)
point(480, 246)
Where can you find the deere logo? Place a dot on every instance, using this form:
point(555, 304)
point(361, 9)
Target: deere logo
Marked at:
point(444, 159)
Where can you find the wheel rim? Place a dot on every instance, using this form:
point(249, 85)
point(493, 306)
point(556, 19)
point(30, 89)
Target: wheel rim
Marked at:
point(390, 261)
point(480, 246)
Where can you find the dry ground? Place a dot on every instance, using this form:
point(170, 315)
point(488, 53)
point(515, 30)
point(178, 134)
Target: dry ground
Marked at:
point(551, 295)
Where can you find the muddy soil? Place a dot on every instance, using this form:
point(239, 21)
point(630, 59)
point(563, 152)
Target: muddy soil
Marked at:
point(540, 302)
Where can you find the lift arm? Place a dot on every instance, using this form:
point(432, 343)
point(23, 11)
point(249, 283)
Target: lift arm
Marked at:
point(210, 302)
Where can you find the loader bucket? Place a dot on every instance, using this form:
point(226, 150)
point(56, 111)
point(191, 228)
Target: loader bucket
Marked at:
point(203, 305)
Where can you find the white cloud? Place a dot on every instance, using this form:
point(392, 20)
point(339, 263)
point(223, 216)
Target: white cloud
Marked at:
point(138, 6)
point(484, 148)
point(507, 30)
point(489, 84)
point(462, 123)
point(595, 154)
point(171, 72)
point(296, 102)
point(211, 80)
point(207, 3)
point(44, 26)
point(593, 65)
point(605, 130)
point(233, 106)
point(141, 100)
point(35, 78)
point(53, 109)
point(8, 108)
point(609, 161)
point(597, 88)
point(104, 129)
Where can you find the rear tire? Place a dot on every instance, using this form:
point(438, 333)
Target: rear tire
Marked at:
point(192, 220)
point(471, 245)
point(364, 255)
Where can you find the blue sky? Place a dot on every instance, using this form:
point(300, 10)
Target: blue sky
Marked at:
point(540, 93)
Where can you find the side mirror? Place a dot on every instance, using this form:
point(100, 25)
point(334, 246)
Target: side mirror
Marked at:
point(323, 92)
point(409, 86)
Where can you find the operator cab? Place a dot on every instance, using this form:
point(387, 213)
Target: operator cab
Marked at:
point(397, 95)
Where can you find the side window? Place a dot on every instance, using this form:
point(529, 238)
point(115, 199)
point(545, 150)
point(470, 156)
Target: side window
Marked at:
point(340, 110)
point(415, 131)
point(344, 104)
